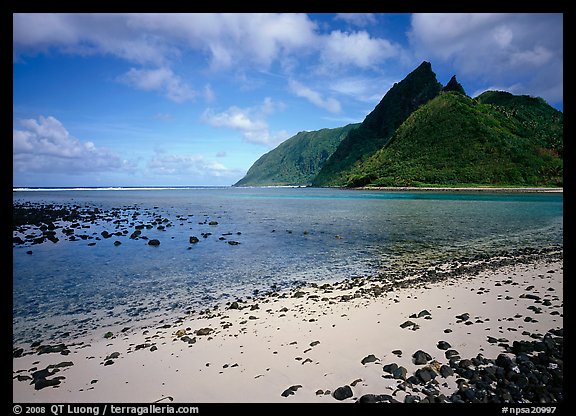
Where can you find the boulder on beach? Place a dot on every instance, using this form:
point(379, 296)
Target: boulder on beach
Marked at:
point(342, 393)
point(421, 357)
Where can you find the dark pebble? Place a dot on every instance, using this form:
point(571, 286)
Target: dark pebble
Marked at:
point(421, 357)
point(43, 382)
point(443, 345)
point(446, 371)
point(369, 359)
point(463, 317)
point(451, 353)
point(342, 393)
point(390, 368)
point(290, 390)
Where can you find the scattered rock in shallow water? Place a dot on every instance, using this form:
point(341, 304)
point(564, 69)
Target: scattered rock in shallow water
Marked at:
point(234, 305)
point(233, 243)
point(117, 243)
point(342, 393)
point(194, 240)
point(153, 242)
point(369, 359)
point(108, 334)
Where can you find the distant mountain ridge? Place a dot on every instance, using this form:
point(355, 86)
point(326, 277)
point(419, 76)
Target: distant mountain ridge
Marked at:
point(423, 134)
point(297, 160)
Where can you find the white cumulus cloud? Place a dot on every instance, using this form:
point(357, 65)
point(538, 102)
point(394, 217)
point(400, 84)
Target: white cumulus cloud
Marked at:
point(356, 49)
point(162, 80)
point(193, 167)
point(524, 50)
point(250, 121)
point(45, 145)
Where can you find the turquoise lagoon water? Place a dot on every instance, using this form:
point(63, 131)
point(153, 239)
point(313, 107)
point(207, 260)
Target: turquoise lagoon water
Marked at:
point(286, 236)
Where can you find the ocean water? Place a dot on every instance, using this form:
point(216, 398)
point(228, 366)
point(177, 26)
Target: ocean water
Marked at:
point(286, 236)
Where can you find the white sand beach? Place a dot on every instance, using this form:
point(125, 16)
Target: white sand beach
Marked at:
point(304, 343)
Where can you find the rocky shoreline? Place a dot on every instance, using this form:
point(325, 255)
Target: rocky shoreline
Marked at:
point(433, 359)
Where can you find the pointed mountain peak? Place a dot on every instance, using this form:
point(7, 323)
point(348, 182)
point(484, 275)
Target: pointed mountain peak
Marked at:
point(454, 85)
point(425, 65)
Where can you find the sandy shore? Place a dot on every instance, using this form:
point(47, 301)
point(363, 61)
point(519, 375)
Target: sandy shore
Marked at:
point(304, 343)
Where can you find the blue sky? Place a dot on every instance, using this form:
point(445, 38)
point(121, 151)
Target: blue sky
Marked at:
point(195, 99)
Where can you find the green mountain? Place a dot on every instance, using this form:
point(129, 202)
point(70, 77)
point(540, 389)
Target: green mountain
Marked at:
point(537, 118)
point(399, 102)
point(297, 160)
point(495, 139)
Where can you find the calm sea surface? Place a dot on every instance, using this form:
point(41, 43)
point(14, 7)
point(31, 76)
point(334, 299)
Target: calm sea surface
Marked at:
point(285, 236)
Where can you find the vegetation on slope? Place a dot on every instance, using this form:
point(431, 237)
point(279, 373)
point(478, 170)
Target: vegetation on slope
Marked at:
point(454, 140)
point(297, 160)
point(537, 118)
point(378, 126)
